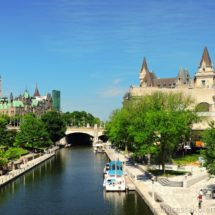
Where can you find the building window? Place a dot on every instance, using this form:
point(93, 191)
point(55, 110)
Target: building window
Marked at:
point(203, 83)
point(203, 107)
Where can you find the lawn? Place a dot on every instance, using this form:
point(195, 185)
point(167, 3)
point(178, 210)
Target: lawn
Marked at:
point(186, 160)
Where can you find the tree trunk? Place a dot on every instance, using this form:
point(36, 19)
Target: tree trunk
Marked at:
point(163, 167)
point(163, 158)
point(126, 148)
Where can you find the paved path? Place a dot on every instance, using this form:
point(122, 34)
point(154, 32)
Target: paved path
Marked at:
point(142, 187)
point(181, 200)
point(4, 179)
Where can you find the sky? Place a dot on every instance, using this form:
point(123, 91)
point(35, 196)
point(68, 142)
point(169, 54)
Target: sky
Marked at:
point(92, 50)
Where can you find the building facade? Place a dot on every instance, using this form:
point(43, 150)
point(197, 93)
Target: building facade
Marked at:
point(201, 87)
point(56, 100)
point(25, 104)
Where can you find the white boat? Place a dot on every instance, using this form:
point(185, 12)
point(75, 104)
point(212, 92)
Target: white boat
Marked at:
point(114, 179)
point(98, 147)
point(114, 183)
point(106, 168)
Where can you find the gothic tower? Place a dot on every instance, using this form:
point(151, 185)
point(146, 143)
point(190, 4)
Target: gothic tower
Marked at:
point(205, 76)
point(36, 92)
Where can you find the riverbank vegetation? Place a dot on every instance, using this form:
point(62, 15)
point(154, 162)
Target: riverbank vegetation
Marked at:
point(153, 126)
point(36, 134)
point(80, 119)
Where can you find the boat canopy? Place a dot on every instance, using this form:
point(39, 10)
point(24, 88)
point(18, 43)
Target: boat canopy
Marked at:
point(115, 165)
point(115, 172)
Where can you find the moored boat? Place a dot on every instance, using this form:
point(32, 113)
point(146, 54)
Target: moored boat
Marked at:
point(114, 179)
point(98, 147)
point(114, 183)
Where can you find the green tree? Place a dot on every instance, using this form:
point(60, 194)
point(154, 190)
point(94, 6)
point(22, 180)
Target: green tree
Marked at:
point(54, 124)
point(80, 118)
point(209, 154)
point(33, 134)
point(154, 124)
point(3, 132)
point(11, 136)
point(117, 129)
point(14, 153)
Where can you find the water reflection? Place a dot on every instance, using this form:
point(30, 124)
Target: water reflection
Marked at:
point(70, 183)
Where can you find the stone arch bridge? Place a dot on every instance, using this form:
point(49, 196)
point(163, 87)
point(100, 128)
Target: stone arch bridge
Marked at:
point(95, 132)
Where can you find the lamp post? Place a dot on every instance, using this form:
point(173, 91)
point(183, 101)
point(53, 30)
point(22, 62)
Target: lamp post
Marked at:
point(153, 192)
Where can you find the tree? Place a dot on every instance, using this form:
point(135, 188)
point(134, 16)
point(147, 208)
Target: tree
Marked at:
point(11, 136)
point(3, 132)
point(14, 153)
point(33, 134)
point(54, 124)
point(117, 128)
point(167, 121)
point(208, 138)
point(154, 124)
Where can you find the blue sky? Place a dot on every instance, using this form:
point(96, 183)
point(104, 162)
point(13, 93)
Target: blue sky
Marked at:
point(92, 50)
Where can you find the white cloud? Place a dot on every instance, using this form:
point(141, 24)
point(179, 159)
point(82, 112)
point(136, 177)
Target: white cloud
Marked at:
point(117, 81)
point(113, 92)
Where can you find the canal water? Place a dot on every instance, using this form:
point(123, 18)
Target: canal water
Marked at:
point(68, 184)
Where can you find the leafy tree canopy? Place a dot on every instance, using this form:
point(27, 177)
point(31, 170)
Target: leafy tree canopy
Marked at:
point(54, 124)
point(154, 124)
point(209, 140)
point(80, 118)
point(3, 132)
point(33, 134)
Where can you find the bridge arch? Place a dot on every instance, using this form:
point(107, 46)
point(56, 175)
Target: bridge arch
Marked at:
point(92, 133)
point(79, 138)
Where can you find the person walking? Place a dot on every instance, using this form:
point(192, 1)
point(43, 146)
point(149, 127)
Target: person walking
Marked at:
point(200, 201)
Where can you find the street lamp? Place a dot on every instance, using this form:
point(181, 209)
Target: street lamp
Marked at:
point(153, 192)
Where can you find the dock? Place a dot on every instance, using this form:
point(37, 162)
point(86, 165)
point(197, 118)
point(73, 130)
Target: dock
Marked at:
point(129, 185)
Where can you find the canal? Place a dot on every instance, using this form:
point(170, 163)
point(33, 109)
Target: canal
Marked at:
point(68, 184)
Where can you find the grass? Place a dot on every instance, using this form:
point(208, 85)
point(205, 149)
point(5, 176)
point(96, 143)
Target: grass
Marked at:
point(158, 172)
point(186, 160)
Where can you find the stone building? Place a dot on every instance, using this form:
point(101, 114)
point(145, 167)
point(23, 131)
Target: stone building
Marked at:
point(25, 103)
point(201, 87)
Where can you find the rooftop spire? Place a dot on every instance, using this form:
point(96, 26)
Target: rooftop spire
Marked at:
point(36, 92)
point(144, 66)
point(206, 60)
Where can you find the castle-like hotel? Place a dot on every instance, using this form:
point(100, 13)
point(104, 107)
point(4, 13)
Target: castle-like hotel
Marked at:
point(201, 87)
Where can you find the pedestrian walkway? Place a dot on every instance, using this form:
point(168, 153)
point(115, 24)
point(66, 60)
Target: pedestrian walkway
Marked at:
point(181, 201)
point(4, 179)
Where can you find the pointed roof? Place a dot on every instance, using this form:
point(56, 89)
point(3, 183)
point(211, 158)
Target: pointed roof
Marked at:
point(11, 96)
point(36, 92)
point(206, 58)
point(144, 66)
point(26, 94)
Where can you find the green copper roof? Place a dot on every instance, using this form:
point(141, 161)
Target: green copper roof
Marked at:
point(34, 103)
point(26, 95)
point(17, 103)
point(5, 106)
